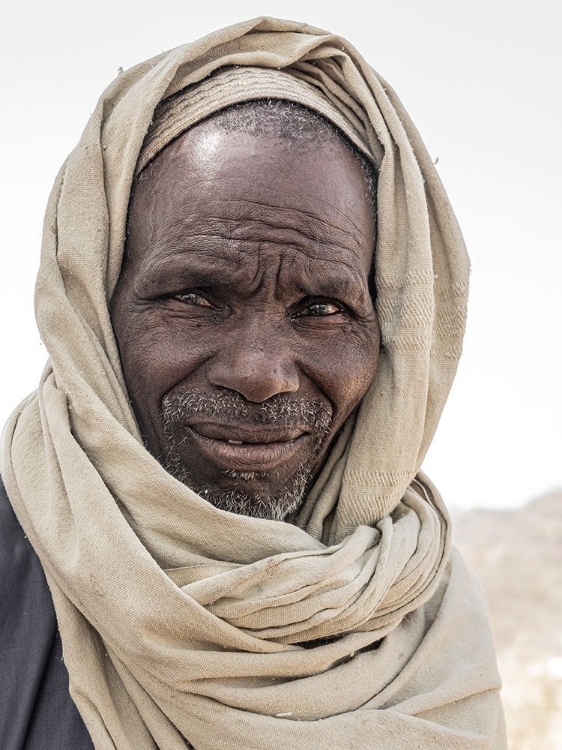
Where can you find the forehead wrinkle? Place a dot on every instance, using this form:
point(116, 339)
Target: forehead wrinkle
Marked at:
point(252, 233)
point(242, 217)
point(331, 210)
point(235, 209)
point(314, 218)
point(172, 258)
point(318, 230)
point(237, 224)
point(233, 252)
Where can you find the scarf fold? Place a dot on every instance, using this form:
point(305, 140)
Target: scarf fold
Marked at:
point(180, 623)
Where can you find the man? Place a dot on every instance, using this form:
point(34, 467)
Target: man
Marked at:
point(219, 473)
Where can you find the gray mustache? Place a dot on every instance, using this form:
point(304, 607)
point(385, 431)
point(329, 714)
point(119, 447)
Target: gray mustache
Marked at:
point(284, 410)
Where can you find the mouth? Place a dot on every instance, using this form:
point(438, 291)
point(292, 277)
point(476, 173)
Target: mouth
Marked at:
point(246, 447)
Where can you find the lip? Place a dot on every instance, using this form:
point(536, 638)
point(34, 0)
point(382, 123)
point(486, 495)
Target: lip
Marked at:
point(261, 447)
point(262, 434)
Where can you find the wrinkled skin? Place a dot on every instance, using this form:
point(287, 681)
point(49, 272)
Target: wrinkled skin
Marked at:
point(246, 277)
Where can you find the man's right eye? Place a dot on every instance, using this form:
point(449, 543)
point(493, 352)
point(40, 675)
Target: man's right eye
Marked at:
point(192, 298)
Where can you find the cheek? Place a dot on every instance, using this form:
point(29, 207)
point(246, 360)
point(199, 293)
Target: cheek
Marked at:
point(156, 355)
point(344, 370)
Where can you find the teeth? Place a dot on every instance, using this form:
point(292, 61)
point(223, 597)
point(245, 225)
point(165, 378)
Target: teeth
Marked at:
point(235, 442)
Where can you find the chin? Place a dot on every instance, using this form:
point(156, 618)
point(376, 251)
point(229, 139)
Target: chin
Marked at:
point(241, 494)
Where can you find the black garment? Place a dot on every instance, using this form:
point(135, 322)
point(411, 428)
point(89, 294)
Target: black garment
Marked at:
point(36, 710)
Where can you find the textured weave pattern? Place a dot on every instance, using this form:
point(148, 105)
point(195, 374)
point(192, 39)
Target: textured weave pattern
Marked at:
point(181, 622)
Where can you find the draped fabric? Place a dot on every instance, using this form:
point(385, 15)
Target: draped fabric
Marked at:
point(181, 623)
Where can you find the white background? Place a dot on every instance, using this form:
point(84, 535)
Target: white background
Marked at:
point(481, 80)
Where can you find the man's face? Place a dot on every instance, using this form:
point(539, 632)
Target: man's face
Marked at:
point(243, 316)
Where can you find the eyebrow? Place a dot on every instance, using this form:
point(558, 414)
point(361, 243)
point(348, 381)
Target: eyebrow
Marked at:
point(347, 285)
point(170, 273)
point(332, 278)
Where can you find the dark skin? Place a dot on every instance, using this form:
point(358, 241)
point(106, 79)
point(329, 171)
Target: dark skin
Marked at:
point(246, 272)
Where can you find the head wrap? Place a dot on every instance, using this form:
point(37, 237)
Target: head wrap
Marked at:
point(353, 628)
point(191, 105)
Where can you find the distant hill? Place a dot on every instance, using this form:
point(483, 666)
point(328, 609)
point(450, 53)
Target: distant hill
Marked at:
point(517, 554)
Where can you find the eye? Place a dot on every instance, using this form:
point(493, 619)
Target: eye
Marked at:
point(318, 308)
point(192, 298)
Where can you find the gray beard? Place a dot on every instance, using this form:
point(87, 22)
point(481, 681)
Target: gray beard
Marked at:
point(282, 410)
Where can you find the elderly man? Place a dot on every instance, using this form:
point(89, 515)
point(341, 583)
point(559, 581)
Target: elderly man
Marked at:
point(252, 291)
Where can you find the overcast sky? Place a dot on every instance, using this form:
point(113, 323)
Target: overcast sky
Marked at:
point(481, 80)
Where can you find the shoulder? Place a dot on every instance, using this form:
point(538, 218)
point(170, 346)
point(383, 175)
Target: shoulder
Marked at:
point(34, 699)
point(27, 626)
point(19, 565)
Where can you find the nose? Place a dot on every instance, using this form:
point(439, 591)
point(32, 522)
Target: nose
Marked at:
point(256, 362)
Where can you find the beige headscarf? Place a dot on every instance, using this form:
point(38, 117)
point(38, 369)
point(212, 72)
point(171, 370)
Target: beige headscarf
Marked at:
point(181, 622)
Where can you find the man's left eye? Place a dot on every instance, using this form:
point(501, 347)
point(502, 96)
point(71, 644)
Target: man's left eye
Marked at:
point(191, 298)
point(322, 308)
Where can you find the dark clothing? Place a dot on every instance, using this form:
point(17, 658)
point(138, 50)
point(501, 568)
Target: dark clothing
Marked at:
point(36, 710)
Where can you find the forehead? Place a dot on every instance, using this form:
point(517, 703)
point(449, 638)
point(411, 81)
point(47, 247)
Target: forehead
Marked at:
point(249, 188)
